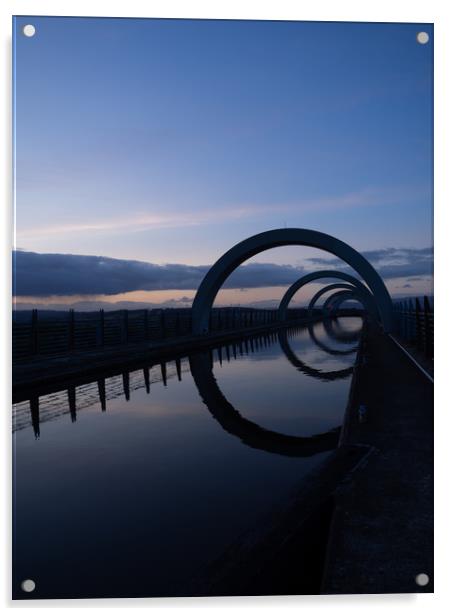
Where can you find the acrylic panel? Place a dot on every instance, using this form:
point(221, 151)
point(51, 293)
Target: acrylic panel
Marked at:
point(222, 308)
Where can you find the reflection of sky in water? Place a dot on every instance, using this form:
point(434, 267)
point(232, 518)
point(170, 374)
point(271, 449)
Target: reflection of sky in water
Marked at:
point(298, 404)
point(145, 494)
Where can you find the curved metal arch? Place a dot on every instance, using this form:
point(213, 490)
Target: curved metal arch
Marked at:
point(332, 302)
point(249, 432)
point(366, 298)
point(301, 282)
point(218, 273)
point(342, 296)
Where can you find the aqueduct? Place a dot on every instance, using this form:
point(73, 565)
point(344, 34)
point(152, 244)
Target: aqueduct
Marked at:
point(334, 301)
point(241, 252)
point(313, 276)
point(365, 297)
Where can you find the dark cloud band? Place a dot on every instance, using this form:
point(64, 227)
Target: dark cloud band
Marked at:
point(41, 275)
point(390, 262)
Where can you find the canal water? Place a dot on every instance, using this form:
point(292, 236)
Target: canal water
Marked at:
point(139, 499)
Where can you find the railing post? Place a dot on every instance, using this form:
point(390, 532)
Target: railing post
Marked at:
point(71, 394)
point(126, 385)
point(163, 371)
point(398, 317)
point(179, 369)
point(406, 332)
point(406, 311)
point(125, 316)
point(219, 323)
point(428, 328)
point(412, 320)
point(102, 327)
point(34, 331)
point(146, 324)
point(102, 395)
point(177, 327)
point(163, 323)
point(71, 329)
point(34, 408)
point(408, 319)
point(419, 341)
point(147, 381)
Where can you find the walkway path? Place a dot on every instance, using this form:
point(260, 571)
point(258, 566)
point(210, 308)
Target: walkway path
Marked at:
point(382, 530)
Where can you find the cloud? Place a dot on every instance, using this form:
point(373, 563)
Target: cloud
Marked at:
point(417, 278)
point(141, 220)
point(389, 262)
point(41, 275)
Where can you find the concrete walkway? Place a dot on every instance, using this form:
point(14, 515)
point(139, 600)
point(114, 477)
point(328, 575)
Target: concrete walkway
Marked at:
point(382, 530)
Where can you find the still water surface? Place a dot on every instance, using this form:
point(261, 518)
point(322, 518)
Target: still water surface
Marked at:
point(139, 499)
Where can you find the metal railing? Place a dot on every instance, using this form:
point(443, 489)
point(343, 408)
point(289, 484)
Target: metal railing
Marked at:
point(43, 334)
point(415, 323)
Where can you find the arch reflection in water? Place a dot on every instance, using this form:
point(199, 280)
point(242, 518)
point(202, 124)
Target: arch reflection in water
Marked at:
point(305, 368)
point(74, 399)
point(172, 455)
point(335, 331)
point(331, 334)
point(249, 432)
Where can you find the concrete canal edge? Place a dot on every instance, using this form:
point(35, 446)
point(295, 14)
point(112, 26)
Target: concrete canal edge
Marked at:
point(381, 534)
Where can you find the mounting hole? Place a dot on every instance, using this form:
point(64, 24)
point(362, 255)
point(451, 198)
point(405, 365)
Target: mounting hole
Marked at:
point(422, 38)
point(422, 579)
point(28, 585)
point(29, 30)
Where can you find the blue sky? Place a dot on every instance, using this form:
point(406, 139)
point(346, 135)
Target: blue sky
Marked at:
point(168, 141)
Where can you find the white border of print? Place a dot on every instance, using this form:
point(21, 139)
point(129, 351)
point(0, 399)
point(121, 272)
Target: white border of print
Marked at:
point(434, 11)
